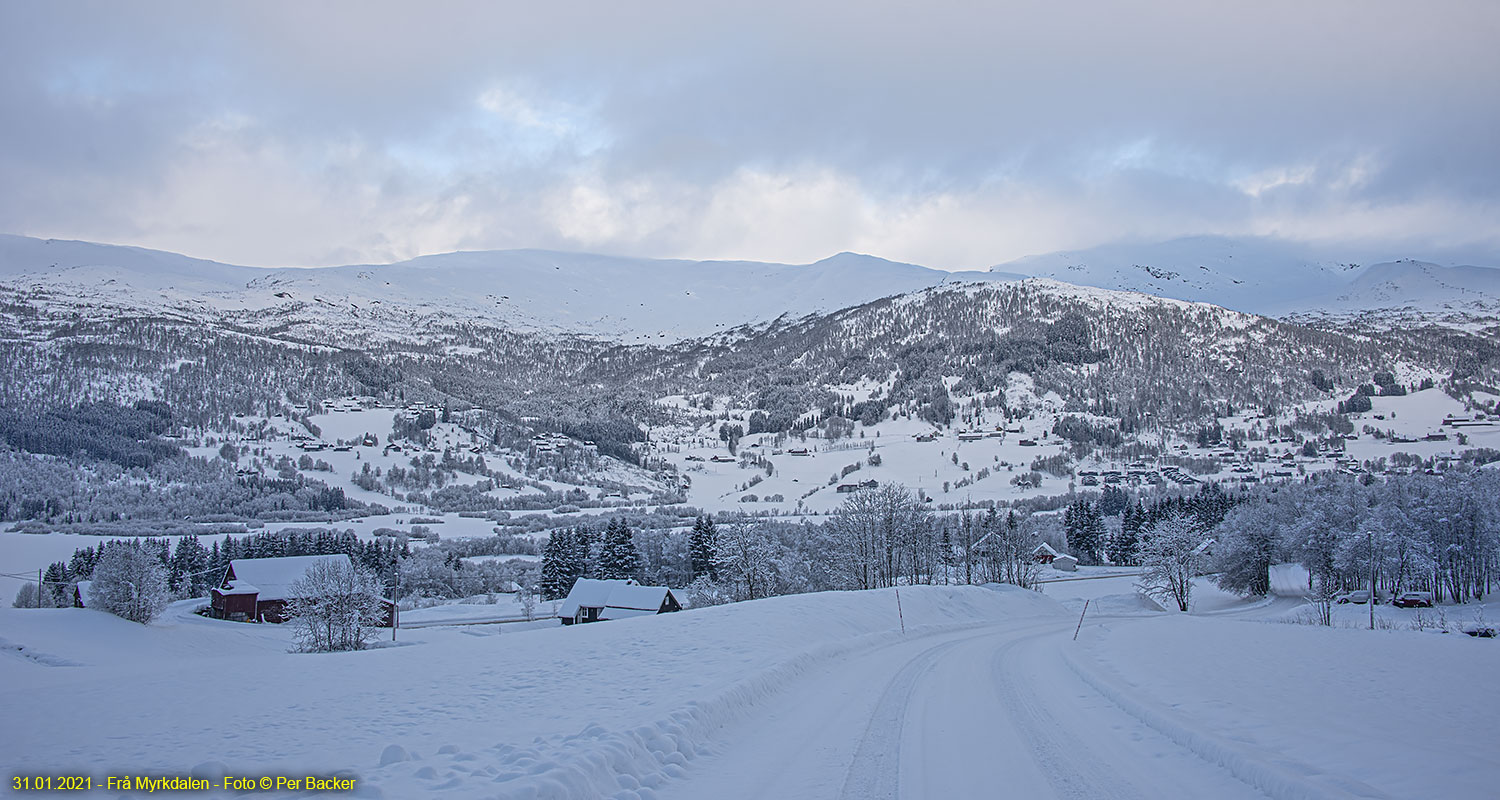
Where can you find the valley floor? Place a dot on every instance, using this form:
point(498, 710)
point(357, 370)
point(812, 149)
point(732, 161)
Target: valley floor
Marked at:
point(985, 693)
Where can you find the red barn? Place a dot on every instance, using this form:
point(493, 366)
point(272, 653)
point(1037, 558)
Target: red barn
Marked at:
point(257, 589)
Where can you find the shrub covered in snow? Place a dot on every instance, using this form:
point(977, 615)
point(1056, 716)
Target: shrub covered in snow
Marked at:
point(129, 582)
point(337, 607)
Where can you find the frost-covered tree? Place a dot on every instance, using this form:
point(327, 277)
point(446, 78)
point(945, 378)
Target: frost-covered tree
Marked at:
point(526, 596)
point(880, 536)
point(129, 582)
point(747, 557)
point(336, 606)
point(1007, 546)
point(1171, 556)
point(705, 591)
point(1247, 543)
point(27, 597)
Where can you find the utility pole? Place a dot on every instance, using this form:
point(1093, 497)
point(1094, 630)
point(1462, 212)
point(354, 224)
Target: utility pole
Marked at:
point(38, 587)
point(1371, 535)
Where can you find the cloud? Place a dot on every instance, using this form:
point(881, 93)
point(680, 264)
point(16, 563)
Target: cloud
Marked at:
point(946, 134)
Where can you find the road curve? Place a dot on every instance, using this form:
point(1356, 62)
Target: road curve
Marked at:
point(985, 712)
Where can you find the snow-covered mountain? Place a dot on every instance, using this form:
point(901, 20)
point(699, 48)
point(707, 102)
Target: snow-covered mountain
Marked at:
point(1267, 276)
point(1258, 275)
point(631, 299)
point(1421, 286)
point(639, 300)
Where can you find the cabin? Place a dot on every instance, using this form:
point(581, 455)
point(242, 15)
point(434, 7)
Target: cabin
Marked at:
point(81, 594)
point(596, 600)
point(1043, 554)
point(1065, 562)
point(258, 589)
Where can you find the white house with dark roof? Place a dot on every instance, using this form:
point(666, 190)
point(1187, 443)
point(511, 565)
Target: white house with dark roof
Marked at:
point(593, 600)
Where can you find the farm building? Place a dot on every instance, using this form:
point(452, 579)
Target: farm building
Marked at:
point(1065, 562)
point(1043, 554)
point(81, 594)
point(257, 589)
point(593, 600)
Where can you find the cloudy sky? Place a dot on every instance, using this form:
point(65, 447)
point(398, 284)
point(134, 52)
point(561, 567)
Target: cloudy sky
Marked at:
point(951, 134)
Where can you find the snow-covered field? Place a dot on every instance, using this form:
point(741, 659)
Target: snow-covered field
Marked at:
point(802, 696)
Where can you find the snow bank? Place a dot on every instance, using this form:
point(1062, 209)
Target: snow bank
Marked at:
point(1299, 711)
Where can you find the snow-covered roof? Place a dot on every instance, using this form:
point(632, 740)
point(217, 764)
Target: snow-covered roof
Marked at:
point(238, 587)
point(637, 598)
point(275, 576)
point(83, 592)
point(589, 593)
point(618, 598)
point(1044, 549)
point(1064, 557)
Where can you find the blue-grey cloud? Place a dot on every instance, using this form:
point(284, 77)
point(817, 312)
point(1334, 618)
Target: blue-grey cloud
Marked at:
point(948, 133)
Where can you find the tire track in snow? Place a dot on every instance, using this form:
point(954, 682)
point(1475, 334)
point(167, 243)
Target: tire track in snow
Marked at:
point(876, 770)
point(1064, 757)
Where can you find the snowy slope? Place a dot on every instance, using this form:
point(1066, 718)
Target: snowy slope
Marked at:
point(1268, 276)
point(629, 298)
point(1419, 286)
point(1246, 274)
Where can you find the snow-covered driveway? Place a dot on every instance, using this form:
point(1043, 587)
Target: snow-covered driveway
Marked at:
point(987, 712)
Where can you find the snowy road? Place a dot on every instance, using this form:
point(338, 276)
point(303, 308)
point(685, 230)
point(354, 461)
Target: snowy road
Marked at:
point(988, 712)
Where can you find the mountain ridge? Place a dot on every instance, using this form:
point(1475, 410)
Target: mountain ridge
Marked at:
point(636, 299)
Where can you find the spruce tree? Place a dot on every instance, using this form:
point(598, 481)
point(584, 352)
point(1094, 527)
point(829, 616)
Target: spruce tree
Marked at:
point(186, 573)
point(702, 548)
point(618, 556)
point(557, 567)
point(57, 584)
point(580, 554)
point(1084, 525)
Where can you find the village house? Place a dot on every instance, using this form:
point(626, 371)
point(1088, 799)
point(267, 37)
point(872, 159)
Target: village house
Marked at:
point(595, 600)
point(258, 589)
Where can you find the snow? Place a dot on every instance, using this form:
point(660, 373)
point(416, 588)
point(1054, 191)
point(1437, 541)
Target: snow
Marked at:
point(637, 598)
point(1267, 276)
point(1314, 712)
point(810, 696)
point(588, 593)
